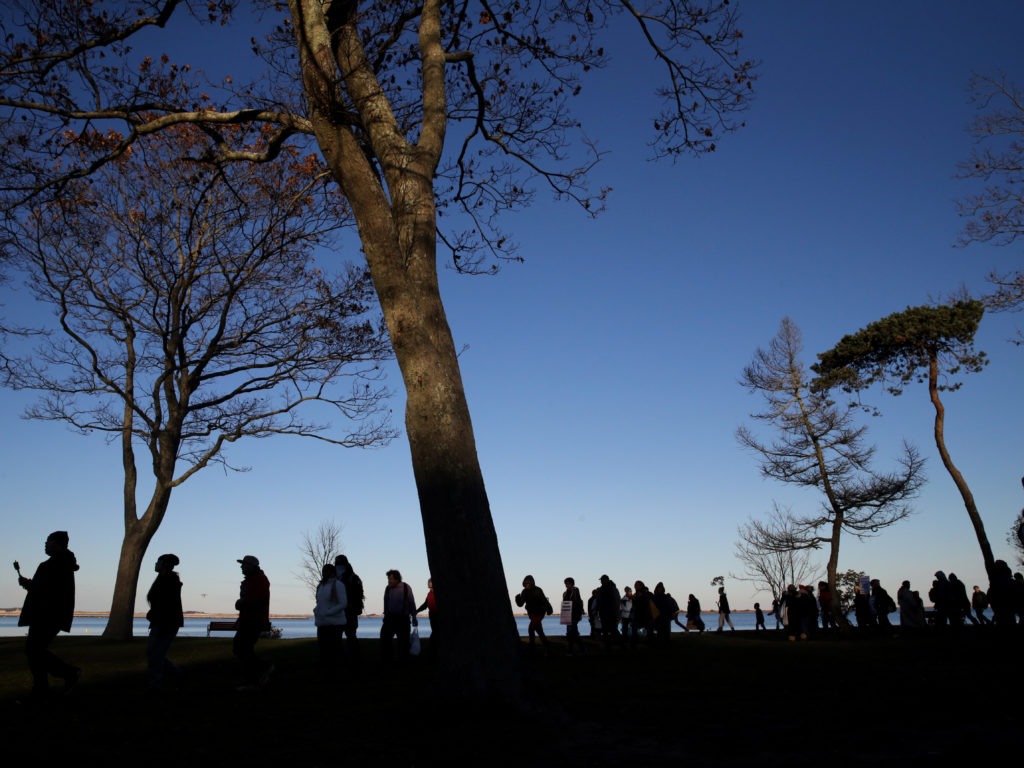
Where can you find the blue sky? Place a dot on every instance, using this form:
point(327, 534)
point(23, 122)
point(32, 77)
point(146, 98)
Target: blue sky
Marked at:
point(602, 373)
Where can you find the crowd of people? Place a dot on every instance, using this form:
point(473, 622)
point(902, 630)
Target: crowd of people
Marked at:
point(617, 619)
point(637, 613)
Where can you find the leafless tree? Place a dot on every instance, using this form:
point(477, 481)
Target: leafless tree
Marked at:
point(766, 566)
point(318, 548)
point(818, 446)
point(188, 313)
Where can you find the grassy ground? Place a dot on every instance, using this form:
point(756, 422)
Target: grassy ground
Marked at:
point(733, 699)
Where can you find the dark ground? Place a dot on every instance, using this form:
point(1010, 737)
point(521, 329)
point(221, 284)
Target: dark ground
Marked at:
point(735, 699)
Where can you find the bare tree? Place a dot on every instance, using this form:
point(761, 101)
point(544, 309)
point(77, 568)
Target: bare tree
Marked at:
point(318, 548)
point(819, 446)
point(434, 117)
point(766, 566)
point(188, 313)
point(996, 214)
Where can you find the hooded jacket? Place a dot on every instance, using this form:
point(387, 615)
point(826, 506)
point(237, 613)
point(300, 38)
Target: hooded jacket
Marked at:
point(50, 601)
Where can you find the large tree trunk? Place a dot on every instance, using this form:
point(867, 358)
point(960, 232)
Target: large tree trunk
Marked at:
point(394, 209)
point(138, 532)
point(479, 655)
point(947, 461)
point(137, 536)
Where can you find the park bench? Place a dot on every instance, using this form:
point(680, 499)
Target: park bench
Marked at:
point(220, 626)
point(230, 626)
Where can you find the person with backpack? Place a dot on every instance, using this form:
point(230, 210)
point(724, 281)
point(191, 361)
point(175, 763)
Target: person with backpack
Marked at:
point(354, 593)
point(329, 615)
point(399, 618)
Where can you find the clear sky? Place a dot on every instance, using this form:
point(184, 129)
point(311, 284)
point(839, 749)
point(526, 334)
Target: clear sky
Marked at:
point(602, 373)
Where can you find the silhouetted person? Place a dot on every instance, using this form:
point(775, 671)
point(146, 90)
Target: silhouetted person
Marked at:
point(165, 618)
point(608, 606)
point(399, 618)
point(862, 609)
point(828, 621)
point(626, 611)
point(329, 616)
point(253, 606)
point(724, 611)
point(434, 616)
point(911, 607)
point(1000, 595)
point(794, 608)
point(979, 602)
point(961, 602)
point(777, 612)
point(643, 619)
point(758, 618)
point(884, 604)
point(941, 596)
point(537, 607)
point(667, 608)
point(693, 618)
point(572, 629)
point(356, 599)
point(49, 608)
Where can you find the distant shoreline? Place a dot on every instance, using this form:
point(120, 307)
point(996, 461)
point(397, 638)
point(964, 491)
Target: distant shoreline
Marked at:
point(13, 612)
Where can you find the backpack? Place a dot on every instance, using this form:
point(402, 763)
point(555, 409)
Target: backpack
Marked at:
point(355, 595)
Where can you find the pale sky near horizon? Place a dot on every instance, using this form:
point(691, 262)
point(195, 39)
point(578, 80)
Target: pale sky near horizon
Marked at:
point(602, 373)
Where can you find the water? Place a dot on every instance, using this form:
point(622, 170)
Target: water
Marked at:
point(369, 626)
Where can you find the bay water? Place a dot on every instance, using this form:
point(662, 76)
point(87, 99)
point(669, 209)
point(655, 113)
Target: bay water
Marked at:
point(369, 626)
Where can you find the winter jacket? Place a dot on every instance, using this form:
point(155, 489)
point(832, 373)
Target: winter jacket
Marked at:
point(164, 599)
point(50, 601)
point(253, 604)
point(331, 604)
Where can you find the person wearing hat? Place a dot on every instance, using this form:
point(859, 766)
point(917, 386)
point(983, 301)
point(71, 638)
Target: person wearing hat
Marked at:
point(165, 619)
point(253, 606)
point(49, 608)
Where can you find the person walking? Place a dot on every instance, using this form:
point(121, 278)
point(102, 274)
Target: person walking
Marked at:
point(253, 606)
point(758, 618)
point(399, 618)
point(608, 605)
point(643, 616)
point(828, 621)
point(667, 608)
point(434, 617)
point(329, 616)
point(979, 602)
point(723, 610)
point(537, 607)
point(777, 612)
point(693, 618)
point(49, 609)
point(165, 618)
point(572, 629)
point(793, 609)
point(961, 602)
point(356, 599)
point(883, 603)
point(626, 611)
